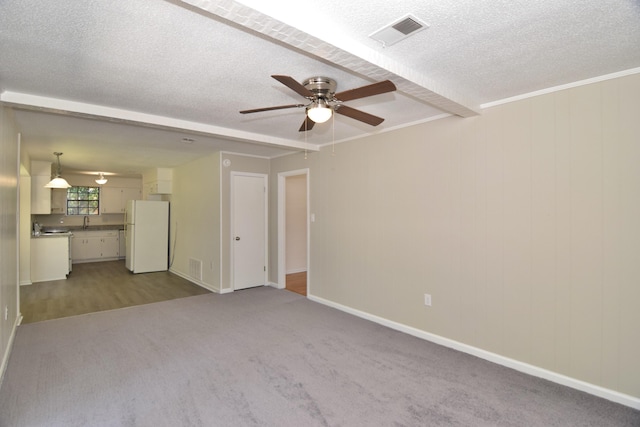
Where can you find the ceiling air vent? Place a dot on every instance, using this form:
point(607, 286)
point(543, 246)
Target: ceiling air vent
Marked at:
point(398, 30)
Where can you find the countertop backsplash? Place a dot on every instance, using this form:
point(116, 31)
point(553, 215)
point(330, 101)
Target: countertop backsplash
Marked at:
point(73, 222)
point(75, 228)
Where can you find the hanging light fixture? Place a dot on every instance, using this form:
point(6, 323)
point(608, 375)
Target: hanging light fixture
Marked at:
point(102, 180)
point(319, 111)
point(58, 181)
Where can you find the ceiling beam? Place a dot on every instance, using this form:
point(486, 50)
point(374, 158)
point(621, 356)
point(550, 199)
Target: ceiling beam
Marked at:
point(100, 112)
point(352, 56)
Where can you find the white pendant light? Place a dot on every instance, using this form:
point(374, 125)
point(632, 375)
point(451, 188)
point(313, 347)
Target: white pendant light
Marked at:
point(102, 180)
point(319, 112)
point(58, 181)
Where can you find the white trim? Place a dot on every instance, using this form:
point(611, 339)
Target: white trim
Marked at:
point(7, 353)
point(255, 156)
point(18, 241)
point(561, 87)
point(385, 130)
point(615, 396)
point(220, 226)
point(282, 239)
point(297, 270)
point(94, 111)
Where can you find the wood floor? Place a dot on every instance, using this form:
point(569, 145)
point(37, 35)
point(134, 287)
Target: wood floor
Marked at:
point(297, 282)
point(100, 286)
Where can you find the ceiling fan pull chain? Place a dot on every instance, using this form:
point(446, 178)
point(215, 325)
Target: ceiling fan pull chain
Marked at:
point(305, 139)
point(333, 135)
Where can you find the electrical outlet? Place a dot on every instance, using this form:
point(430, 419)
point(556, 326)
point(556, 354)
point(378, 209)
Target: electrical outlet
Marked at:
point(6, 312)
point(427, 300)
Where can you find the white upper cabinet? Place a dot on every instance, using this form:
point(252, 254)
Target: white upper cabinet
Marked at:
point(158, 181)
point(114, 199)
point(40, 196)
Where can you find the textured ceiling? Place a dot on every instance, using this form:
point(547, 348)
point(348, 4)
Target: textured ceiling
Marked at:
point(117, 85)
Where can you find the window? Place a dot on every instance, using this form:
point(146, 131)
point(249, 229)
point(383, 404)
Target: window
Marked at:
point(83, 201)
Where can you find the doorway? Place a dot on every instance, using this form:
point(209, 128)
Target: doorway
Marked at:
point(249, 230)
point(293, 231)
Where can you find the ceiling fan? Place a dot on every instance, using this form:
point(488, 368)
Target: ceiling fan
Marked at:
point(321, 91)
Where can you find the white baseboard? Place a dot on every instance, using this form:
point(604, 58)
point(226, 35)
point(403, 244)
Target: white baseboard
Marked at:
point(624, 399)
point(7, 353)
point(275, 285)
point(299, 270)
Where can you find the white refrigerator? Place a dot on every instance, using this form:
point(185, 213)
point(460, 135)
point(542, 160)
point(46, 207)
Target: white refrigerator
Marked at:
point(147, 236)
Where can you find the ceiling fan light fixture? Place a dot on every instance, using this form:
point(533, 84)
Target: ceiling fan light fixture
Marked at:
point(102, 180)
point(319, 112)
point(58, 181)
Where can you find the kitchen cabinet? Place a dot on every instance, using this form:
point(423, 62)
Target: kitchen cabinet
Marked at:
point(110, 245)
point(40, 196)
point(158, 181)
point(90, 246)
point(59, 201)
point(114, 199)
point(159, 187)
point(123, 245)
point(49, 258)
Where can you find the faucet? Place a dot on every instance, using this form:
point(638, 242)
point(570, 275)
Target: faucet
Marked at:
point(85, 222)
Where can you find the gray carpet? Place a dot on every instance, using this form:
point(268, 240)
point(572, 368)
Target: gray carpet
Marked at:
point(270, 358)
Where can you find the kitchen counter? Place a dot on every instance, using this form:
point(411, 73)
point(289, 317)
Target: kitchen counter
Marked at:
point(47, 235)
point(67, 231)
point(112, 227)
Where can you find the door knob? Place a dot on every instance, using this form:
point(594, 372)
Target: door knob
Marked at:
point(237, 238)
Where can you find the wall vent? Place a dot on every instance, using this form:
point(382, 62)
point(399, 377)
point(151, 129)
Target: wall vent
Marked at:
point(195, 269)
point(398, 30)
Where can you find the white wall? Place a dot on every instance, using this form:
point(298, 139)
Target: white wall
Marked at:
point(521, 223)
point(9, 175)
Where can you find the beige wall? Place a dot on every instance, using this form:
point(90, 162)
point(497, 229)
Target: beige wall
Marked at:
point(9, 176)
point(296, 223)
point(195, 220)
point(522, 223)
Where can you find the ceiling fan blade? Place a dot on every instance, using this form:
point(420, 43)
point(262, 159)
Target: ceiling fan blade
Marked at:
point(292, 84)
point(367, 118)
point(307, 124)
point(280, 107)
point(364, 91)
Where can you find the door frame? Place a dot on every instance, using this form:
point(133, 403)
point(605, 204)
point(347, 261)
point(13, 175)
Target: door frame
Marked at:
point(265, 177)
point(282, 238)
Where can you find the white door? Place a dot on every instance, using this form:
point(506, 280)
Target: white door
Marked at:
point(249, 230)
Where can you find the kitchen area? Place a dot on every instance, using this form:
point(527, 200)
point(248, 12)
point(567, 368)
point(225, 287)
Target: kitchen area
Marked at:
point(62, 234)
point(82, 253)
